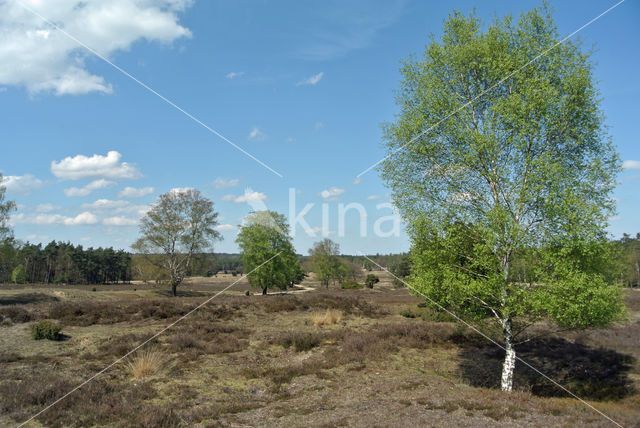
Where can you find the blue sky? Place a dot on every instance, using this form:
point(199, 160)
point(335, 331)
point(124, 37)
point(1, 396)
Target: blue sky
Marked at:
point(303, 86)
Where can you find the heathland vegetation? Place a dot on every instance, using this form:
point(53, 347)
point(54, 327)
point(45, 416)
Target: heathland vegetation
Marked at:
point(506, 204)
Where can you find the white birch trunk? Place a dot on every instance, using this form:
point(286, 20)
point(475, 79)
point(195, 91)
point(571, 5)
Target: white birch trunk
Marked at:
point(509, 364)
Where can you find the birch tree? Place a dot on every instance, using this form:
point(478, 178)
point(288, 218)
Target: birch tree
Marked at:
point(5, 209)
point(179, 227)
point(499, 154)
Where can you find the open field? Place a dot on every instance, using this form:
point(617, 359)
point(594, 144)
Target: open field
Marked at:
point(309, 357)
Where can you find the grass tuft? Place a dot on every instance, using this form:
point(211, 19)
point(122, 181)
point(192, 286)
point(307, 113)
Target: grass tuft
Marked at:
point(145, 364)
point(331, 316)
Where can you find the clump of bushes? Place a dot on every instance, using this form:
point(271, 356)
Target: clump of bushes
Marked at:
point(370, 280)
point(46, 329)
point(350, 284)
point(301, 341)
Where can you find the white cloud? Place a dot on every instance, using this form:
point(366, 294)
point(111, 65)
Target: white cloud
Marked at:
point(631, 164)
point(234, 74)
point(86, 190)
point(356, 180)
point(43, 59)
point(333, 191)
point(226, 227)
point(373, 197)
point(106, 204)
point(251, 197)
point(119, 221)
point(311, 80)
point(132, 192)
point(46, 208)
point(177, 190)
point(223, 183)
point(22, 184)
point(48, 219)
point(228, 197)
point(97, 166)
point(256, 134)
point(290, 140)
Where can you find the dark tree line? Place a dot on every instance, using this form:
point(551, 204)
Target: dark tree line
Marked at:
point(62, 263)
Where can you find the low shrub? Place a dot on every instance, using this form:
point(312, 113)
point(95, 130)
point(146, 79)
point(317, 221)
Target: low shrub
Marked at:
point(46, 329)
point(14, 315)
point(351, 285)
point(301, 341)
point(407, 313)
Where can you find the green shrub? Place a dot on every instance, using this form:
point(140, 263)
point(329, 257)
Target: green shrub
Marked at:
point(350, 284)
point(407, 313)
point(46, 329)
point(371, 279)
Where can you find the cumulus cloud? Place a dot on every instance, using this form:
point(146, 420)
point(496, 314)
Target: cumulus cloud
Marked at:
point(256, 134)
point(97, 166)
point(132, 192)
point(311, 80)
point(46, 208)
point(89, 188)
point(251, 197)
point(119, 221)
point(234, 74)
point(223, 183)
point(43, 59)
point(631, 164)
point(333, 191)
point(226, 227)
point(22, 184)
point(106, 204)
point(178, 190)
point(49, 219)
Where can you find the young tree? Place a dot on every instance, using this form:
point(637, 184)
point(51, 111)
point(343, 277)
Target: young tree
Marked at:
point(523, 164)
point(264, 236)
point(181, 225)
point(5, 209)
point(326, 263)
point(371, 280)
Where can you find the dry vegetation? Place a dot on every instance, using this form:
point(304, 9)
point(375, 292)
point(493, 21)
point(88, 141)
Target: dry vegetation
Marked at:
point(322, 358)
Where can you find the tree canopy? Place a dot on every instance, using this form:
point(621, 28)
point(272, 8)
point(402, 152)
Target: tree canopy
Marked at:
point(180, 226)
point(264, 237)
point(495, 158)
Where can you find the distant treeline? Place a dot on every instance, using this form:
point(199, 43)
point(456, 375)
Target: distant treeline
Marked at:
point(62, 263)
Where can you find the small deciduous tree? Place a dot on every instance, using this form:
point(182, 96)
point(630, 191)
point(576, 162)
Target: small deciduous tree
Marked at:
point(179, 226)
point(5, 209)
point(263, 237)
point(522, 169)
point(371, 280)
point(326, 263)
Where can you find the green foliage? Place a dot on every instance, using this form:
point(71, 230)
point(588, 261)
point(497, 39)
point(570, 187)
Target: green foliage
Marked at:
point(370, 280)
point(5, 209)
point(180, 226)
point(326, 262)
point(46, 329)
point(350, 284)
point(18, 276)
point(504, 173)
point(264, 237)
